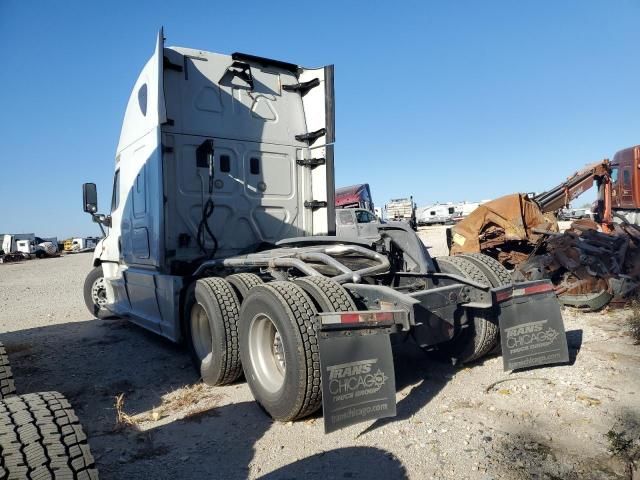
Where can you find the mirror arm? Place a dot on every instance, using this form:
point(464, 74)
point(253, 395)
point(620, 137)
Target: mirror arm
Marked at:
point(100, 220)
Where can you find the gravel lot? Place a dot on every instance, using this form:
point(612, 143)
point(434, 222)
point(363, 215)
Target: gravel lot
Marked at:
point(452, 422)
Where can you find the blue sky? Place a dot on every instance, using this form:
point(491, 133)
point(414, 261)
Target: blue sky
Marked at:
point(447, 100)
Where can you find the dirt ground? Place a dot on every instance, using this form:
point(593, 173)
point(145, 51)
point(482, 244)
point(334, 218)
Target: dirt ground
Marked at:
point(562, 422)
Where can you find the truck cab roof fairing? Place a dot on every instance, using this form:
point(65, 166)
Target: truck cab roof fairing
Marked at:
point(146, 106)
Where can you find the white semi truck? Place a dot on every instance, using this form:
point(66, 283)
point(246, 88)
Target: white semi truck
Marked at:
point(222, 235)
point(10, 241)
point(27, 244)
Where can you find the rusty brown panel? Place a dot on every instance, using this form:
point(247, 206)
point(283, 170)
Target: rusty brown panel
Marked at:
point(509, 218)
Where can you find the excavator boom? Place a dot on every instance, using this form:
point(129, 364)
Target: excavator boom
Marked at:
point(578, 183)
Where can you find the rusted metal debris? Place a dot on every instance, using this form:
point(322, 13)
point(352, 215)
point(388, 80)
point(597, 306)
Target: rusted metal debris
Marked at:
point(504, 228)
point(590, 264)
point(589, 268)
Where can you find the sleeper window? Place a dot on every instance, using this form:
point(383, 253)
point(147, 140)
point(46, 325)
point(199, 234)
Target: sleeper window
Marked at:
point(115, 197)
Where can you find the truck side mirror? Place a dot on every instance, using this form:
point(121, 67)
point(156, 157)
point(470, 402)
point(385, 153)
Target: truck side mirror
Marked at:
point(89, 198)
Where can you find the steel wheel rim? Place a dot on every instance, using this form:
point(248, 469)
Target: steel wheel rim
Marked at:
point(99, 292)
point(267, 353)
point(200, 332)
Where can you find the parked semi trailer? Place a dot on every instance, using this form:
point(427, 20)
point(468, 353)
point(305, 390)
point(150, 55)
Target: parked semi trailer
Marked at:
point(223, 235)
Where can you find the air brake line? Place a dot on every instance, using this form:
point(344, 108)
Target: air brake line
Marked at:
point(205, 159)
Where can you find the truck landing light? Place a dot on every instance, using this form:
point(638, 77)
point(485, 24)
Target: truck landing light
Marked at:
point(511, 292)
point(362, 319)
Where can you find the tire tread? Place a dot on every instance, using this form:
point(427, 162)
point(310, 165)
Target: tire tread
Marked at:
point(221, 291)
point(243, 282)
point(302, 314)
point(7, 385)
point(333, 294)
point(41, 437)
point(492, 268)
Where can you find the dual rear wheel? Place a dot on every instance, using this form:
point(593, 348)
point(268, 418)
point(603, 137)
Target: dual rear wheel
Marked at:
point(267, 331)
point(272, 337)
point(480, 335)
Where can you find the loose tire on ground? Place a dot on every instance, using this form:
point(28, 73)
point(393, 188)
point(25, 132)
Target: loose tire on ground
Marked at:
point(211, 320)
point(243, 282)
point(279, 349)
point(41, 437)
point(482, 333)
point(7, 387)
point(497, 274)
point(95, 294)
point(327, 295)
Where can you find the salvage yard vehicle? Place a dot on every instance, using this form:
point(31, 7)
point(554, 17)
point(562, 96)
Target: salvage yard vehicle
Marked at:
point(355, 196)
point(10, 241)
point(357, 222)
point(436, 214)
point(84, 244)
point(222, 234)
point(574, 213)
point(402, 210)
point(39, 247)
point(625, 185)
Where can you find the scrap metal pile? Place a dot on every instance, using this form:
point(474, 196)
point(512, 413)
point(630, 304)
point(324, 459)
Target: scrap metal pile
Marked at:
point(505, 228)
point(588, 267)
point(590, 264)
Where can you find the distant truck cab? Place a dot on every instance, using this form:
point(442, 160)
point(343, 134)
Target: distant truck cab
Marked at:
point(625, 183)
point(355, 196)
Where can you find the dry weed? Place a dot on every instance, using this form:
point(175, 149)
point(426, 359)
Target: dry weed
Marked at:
point(189, 401)
point(123, 420)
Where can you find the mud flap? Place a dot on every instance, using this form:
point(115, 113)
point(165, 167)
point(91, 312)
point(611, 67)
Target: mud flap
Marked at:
point(531, 328)
point(358, 381)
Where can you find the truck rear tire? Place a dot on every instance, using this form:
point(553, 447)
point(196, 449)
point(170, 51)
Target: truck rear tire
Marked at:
point(327, 295)
point(279, 349)
point(481, 335)
point(497, 274)
point(7, 387)
point(243, 282)
point(41, 437)
point(212, 312)
point(95, 294)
